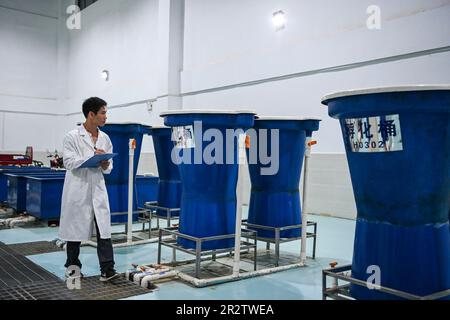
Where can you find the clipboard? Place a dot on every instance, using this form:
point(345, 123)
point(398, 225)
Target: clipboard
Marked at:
point(94, 161)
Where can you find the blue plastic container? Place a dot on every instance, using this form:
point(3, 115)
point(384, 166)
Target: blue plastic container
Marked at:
point(401, 184)
point(275, 199)
point(12, 169)
point(16, 187)
point(169, 189)
point(208, 201)
point(43, 197)
point(117, 180)
point(3, 183)
point(146, 189)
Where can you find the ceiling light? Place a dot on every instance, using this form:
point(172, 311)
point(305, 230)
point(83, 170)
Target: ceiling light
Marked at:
point(105, 75)
point(279, 20)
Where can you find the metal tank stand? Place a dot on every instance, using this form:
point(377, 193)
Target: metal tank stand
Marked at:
point(119, 238)
point(198, 252)
point(342, 292)
point(143, 212)
point(278, 240)
point(152, 208)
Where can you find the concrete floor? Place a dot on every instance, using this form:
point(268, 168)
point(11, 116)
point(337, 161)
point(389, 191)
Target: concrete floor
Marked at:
point(334, 243)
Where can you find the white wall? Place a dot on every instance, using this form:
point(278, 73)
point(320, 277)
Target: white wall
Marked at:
point(119, 36)
point(28, 54)
point(225, 54)
point(234, 42)
point(234, 58)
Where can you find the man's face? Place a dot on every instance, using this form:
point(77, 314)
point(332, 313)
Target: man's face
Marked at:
point(99, 119)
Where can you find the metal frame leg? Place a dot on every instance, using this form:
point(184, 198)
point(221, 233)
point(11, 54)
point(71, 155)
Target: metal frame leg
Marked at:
point(174, 255)
point(324, 286)
point(314, 240)
point(255, 252)
point(198, 250)
point(159, 246)
point(277, 246)
point(150, 225)
point(168, 218)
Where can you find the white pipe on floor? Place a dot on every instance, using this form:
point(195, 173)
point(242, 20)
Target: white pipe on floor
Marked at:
point(161, 275)
point(8, 221)
point(132, 146)
point(213, 281)
point(24, 219)
point(138, 276)
point(305, 190)
point(125, 244)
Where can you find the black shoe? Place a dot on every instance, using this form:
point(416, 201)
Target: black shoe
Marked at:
point(109, 275)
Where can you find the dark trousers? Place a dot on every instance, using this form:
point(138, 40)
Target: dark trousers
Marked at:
point(104, 253)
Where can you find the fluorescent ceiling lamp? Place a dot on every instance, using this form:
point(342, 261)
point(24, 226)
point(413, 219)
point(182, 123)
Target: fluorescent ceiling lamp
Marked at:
point(279, 20)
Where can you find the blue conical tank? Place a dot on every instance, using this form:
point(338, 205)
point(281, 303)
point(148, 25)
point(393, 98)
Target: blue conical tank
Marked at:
point(169, 189)
point(397, 142)
point(117, 180)
point(275, 196)
point(208, 202)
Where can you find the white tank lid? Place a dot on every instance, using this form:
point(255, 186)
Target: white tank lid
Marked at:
point(160, 127)
point(419, 87)
point(138, 123)
point(206, 111)
point(286, 118)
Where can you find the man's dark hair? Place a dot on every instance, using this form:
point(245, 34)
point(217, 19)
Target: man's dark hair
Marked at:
point(93, 104)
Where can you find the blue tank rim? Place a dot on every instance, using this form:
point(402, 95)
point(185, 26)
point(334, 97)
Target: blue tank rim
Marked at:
point(377, 90)
point(37, 173)
point(287, 123)
point(15, 169)
point(40, 178)
point(213, 118)
point(376, 102)
point(160, 131)
point(128, 127)
point(205, 111)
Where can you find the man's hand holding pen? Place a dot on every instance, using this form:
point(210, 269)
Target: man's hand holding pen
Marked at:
point(105, 163)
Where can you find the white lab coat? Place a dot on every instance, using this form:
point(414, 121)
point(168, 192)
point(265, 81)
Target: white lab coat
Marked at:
point(84, 193)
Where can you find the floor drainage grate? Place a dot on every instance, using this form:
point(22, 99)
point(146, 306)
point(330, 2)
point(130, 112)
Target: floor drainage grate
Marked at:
point(16, 269)
point(42, 290)
point(93, 289)
point(32, 248)
point(21, 279)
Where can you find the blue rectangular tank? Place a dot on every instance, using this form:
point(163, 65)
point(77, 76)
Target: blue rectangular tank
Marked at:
point(397, 142)
point(208, 201)
point(117, 180)
point(275, 198)
point(16, 184)
point(12, 169)
point(43, 197)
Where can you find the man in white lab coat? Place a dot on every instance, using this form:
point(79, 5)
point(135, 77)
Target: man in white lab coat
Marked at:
point(85, 199)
